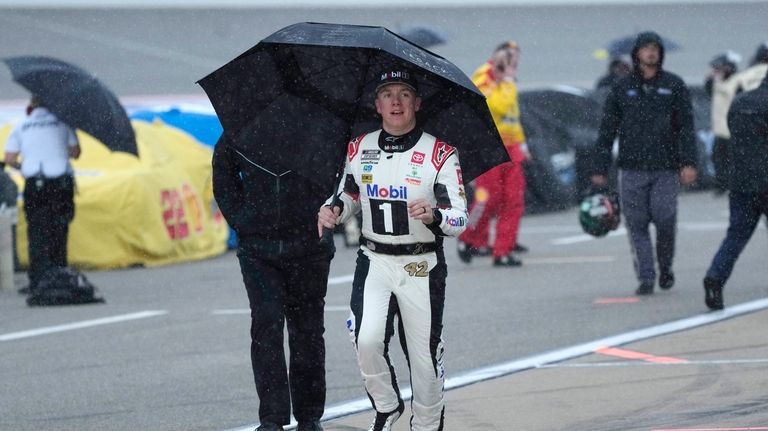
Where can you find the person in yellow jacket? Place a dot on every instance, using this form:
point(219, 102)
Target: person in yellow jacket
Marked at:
point(500, 192)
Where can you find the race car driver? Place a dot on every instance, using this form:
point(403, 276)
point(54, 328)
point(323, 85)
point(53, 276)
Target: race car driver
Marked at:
point(408, 185)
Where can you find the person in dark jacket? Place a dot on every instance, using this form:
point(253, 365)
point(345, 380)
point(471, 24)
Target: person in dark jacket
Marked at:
point(651, 114)
point(748, 185)
point(285, 271)
point(618, 67)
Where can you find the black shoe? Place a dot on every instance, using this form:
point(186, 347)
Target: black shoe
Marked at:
point(269, 427)
point(713, 293)
point(519, 248)
point(384, 421)
point(481, 251)
point(508, 260)
point(666, 280)
point(309, 426)
point(465, 251)
point(644, 289)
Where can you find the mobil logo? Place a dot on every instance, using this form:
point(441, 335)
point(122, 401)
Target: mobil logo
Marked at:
point(387, 192)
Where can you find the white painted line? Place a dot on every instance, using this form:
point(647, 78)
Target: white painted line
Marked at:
point(546, 359)
point(572, 239)
point(568, 259)
point(584, 237)
point(187, 4)
point(644, 364)
point(704, 226)
point(580, 236)
point(80, 325)
point(236, 311)
point(617, 340)
point(575, 239)
point(114, 42)
point(232, 311)
point(341, 279)
point(549, 229)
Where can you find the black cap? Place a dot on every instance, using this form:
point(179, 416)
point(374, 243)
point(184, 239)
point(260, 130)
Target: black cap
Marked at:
point(727, 58)
point(397, 76)
point(648, 38)
point(761, 54)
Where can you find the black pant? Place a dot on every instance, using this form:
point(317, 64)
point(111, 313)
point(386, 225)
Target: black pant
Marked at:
point(49, 207)
point(287, 288)
point(721, 161)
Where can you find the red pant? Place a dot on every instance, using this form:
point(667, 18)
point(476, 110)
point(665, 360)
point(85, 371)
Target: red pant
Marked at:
point(499, 194)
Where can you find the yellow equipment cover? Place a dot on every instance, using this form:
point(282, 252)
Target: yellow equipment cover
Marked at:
point(150, 210)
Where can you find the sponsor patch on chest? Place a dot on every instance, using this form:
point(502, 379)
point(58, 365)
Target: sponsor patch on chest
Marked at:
point(370, 155)
point(386, 191)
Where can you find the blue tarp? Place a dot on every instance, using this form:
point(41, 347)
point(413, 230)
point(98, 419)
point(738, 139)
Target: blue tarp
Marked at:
point(206, 128)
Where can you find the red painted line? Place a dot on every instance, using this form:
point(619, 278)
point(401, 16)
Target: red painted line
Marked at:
point(713, 429)
point(626, 300)
point(629, 354)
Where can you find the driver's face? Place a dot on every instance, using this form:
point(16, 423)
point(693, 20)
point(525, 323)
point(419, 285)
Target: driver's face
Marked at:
point(649, 54)
point(397, 104)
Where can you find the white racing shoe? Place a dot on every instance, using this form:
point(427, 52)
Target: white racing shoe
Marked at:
point(384, 421)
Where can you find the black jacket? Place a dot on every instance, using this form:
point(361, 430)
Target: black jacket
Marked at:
point(654, 122)
point(269, 207)
point(652, 118)
point(748, 147)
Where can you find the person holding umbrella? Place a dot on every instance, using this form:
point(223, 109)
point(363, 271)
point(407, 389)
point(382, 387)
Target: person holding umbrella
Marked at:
point(270, 180)
point(285, 272)
point(650, 113)
point(409, 187)
point(45, 144)
point(618, 67)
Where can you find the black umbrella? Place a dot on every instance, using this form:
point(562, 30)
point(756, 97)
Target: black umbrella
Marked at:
point(424, 36)
point(297, 97)
point(77, 98)
point(623, 45)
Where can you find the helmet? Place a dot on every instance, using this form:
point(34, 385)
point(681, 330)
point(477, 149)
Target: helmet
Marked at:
point(599, 213)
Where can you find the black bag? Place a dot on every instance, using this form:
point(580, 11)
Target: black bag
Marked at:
point(62, 286)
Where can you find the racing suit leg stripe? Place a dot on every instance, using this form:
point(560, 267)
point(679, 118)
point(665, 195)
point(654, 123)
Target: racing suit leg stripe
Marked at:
point(437, 284)
point(374, 308)
point(421, 302)
point(358, 284)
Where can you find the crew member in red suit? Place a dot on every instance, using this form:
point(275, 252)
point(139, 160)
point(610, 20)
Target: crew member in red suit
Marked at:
point(500, 192)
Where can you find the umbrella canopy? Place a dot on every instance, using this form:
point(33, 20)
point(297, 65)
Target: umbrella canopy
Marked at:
point(424, 36)
point(623, 45)
point(77, 98)
point(297, 97)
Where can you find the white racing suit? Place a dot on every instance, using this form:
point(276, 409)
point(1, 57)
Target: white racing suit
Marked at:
point(401, 271)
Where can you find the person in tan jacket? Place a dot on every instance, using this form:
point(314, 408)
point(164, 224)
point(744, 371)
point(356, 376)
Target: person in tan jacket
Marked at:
point(723, 92)
point(723, 67)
